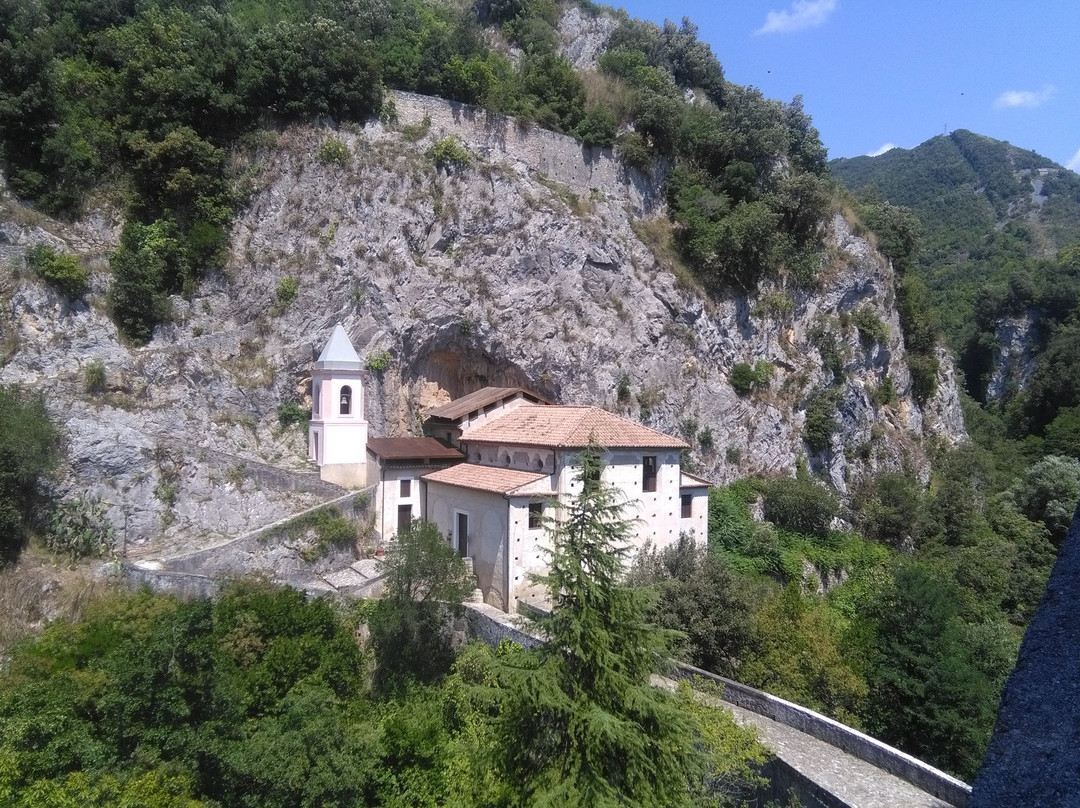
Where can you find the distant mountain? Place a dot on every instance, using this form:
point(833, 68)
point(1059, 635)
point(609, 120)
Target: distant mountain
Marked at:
point(997, 224)
point(965, 185)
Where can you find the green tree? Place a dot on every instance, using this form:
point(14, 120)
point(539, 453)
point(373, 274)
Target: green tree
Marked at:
point(1048, 492)
point(933, 697)
point(29, 451)
point(599, 733)
point(700, 596)
point(424, 578)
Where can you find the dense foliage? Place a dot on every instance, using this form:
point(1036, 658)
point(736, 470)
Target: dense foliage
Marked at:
point(996, 243)
point(265, 698)
point(29, 451)
point(905, 624)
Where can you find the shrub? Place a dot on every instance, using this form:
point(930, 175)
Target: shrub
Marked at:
point(94, 377)
point(622, 392)
point(705, 438)
point(924, 370)
point(872, 329)
point(80, 528)
point(802, 505)
point(820, 420)
point(290, 413)
point(377, 361)
point(29, 450)
point(287, 290)
point(450, 153)
point(633, 149)
point(63, 272)
point(334, 152)
point(746, 378)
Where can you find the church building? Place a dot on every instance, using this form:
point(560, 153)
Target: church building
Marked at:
point(493, 465)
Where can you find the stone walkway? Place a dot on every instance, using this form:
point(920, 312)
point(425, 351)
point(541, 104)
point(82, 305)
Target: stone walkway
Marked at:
point(856, 783)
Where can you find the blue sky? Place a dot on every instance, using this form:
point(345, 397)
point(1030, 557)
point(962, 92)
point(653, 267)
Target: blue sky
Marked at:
point(875, 74)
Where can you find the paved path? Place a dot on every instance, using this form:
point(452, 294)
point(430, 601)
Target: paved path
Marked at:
point(855, 782)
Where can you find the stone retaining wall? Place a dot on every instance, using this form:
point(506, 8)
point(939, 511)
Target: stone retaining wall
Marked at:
point(926, 777)
point(583, 169)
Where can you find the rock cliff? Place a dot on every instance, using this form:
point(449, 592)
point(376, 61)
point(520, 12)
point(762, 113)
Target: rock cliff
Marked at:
point(535, 262)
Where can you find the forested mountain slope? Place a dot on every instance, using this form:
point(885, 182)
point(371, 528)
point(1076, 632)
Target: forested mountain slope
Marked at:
point(998, 251)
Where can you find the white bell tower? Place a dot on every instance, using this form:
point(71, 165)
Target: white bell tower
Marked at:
point(337, 436)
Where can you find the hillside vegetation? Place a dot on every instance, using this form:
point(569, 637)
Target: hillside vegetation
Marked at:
point(143, 104)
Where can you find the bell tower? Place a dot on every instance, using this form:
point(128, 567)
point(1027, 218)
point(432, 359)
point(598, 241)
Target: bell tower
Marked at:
point(337, 436)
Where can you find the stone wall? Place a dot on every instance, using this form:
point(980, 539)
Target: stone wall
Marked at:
point(585, 170)
point(855, 743)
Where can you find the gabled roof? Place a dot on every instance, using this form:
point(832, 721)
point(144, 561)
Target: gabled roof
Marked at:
point(339, 353)
point(479, 399)
point(487, 478)
point(569, 427)
point(412, 449)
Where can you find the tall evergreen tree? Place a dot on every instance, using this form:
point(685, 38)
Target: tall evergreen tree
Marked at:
point(581, 725)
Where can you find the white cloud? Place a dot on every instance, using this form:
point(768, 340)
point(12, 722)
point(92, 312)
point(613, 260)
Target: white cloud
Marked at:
point(1074, 163)
point(802, 14)
point(884, 148)
point(1023, 98)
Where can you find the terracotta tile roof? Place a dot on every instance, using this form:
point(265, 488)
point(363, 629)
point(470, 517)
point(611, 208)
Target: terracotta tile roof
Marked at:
point(480, 399)
point(566, 426)
point(412, 449)
point(484, 478)
point(693, 481)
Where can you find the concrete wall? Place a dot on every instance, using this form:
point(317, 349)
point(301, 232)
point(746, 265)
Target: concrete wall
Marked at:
point(488, 525)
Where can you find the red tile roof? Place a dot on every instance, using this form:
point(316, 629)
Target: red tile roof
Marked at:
point(479, 399)
point(565, 426)
point(484, 478)
point(412, 449)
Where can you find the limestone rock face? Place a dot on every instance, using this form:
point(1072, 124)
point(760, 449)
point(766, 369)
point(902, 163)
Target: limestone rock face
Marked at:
point(1034, 753)
point(539, 263)
point(1014, 360)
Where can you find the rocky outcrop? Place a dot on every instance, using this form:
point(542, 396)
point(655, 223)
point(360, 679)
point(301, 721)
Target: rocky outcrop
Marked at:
point(537, 263)
point(1014, 359)
point(1034, 754)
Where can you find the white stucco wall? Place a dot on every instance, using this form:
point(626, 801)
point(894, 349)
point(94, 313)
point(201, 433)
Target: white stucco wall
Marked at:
point(527, 556)
point(388, 497)
point(333, 438)
point(488, 526)
point(657, 514)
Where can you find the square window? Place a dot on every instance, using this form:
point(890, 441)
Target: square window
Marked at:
point(406, 488)
point(536, 515)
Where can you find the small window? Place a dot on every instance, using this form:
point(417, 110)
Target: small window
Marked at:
point(346, 400)
point(406, 489)
point(687, 506)
point(648, 473)
point(536, 515)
